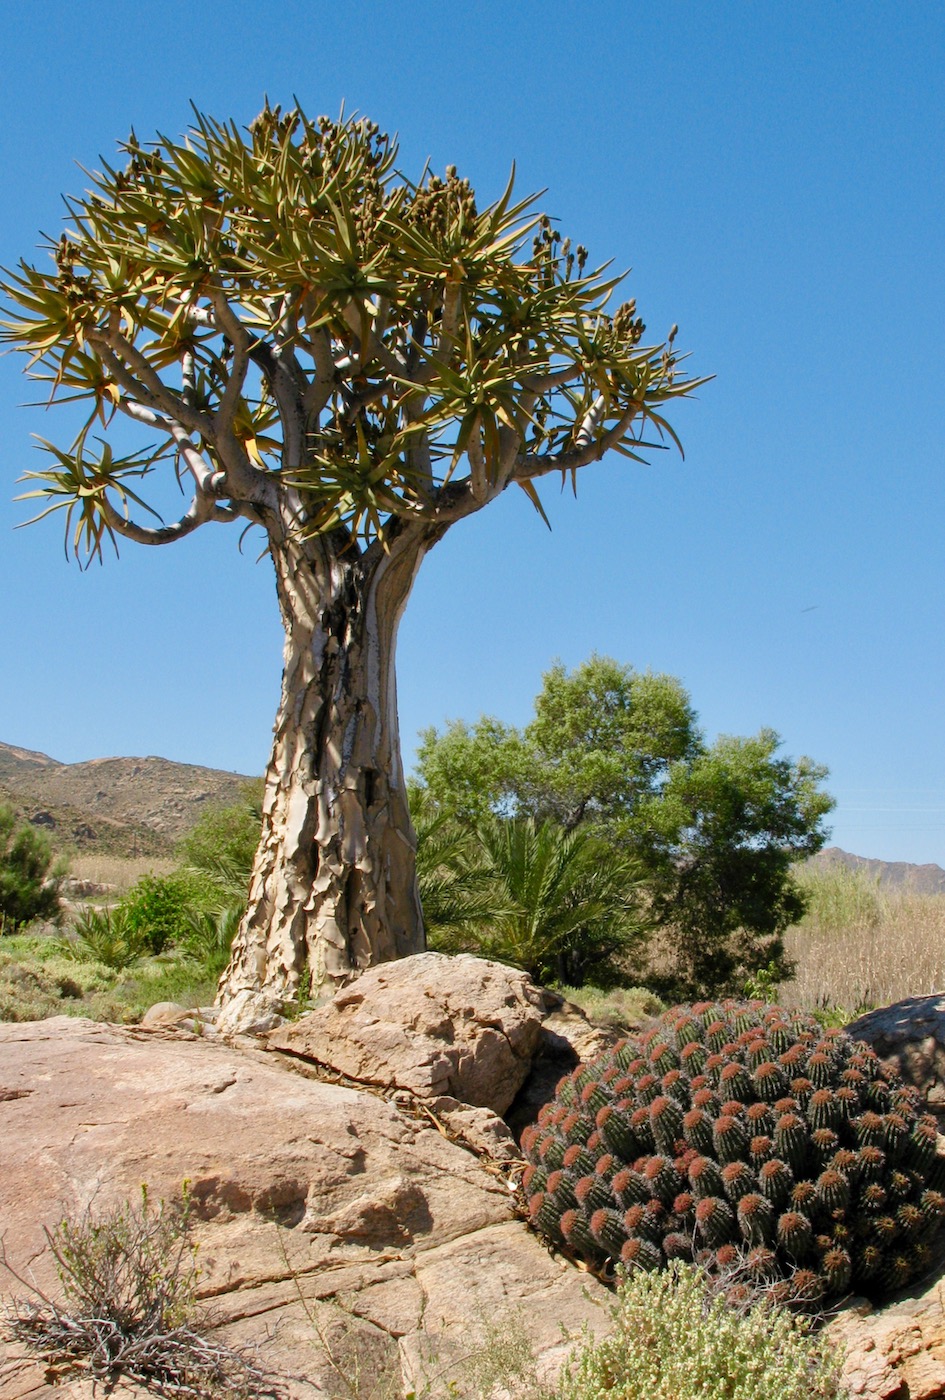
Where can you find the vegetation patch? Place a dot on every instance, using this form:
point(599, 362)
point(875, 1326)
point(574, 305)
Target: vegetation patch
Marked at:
point(675, 1338)
point(128, 1307)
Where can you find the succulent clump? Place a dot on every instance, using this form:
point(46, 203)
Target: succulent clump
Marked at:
point(740, 1135)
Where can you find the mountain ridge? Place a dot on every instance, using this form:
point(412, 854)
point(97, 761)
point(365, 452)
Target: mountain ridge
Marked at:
point(891, 874)
point(117, 805)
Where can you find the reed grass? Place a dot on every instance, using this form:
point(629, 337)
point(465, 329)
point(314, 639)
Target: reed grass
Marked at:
point(861, 945)
point(120, 872)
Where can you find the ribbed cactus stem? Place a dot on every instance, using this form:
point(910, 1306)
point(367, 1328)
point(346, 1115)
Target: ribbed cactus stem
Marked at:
point(593, 1193)
point(715, 1220)
point(641, 1254)
point(741, 1135)
point(617, 1134)
point(677, 1246)
point(630, 1188)
point(756, 1219)
point(795, 1235)
point(666, 1122)
point(730, 1139)
point(662, 1178)
point(776, 1183)
point(833, 1188)
point(770, 1082)
point(735, 1081)
point(607, 1228)
point(576, 1232)
point(560, 1186)
point(738, 1180)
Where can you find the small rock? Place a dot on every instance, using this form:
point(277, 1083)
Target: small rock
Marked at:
point(478, 1128)
point(164, 1013)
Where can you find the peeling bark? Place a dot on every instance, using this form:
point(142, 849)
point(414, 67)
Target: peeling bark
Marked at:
point(334, 884)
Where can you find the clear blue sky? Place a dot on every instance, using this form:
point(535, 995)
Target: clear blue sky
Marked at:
point(774, 175)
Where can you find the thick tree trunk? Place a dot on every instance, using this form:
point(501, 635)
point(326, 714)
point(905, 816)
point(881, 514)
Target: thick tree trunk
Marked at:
point(334, 884)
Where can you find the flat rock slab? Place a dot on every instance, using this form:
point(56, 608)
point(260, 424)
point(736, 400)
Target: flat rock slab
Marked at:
point(910, 1037)
point(897, 1352)
point(461, 1027)
point(338, 1233)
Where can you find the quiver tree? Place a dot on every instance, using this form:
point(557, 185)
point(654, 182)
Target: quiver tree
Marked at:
point(352, 362)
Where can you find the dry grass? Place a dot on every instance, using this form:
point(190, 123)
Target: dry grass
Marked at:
point(861, 946)
point(120, 871)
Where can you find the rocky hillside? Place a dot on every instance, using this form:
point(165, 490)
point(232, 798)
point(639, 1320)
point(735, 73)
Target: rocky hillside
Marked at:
point(124, 806)
point(891, 874)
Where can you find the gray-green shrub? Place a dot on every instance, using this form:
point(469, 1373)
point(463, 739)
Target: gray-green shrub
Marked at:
point(675, 1338)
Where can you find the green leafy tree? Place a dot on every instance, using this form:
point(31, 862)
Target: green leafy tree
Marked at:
point(716, 828)
point(720, 841)
point(29, 873)
point(603, 738)
point(351, 361)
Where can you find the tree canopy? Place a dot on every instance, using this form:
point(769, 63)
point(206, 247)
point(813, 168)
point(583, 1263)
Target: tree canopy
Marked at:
point(289, 313)
point(715, 828)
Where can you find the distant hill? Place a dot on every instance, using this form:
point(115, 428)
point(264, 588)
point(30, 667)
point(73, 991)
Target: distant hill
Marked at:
point(892, 874)
point(124, 806)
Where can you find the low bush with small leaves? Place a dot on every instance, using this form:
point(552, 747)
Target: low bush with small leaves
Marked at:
point(675, 1338)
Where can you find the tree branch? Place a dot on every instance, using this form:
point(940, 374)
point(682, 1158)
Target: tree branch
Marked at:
point(323, 380)
point(136, 376)
point(283, 373)
point(203, 508)
point(545, 384)
point(533, 464)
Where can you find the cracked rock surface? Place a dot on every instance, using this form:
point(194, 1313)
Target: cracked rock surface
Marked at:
point(340, 1235)
point(461, 1027)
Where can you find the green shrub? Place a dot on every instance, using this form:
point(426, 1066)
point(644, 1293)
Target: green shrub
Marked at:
point(741, 1134)
point(223, 842)
point(105, 936)
point(29, 874)
point(621, 1007)
point(158, 909)
point(561, 904)
point(674, 1338)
